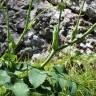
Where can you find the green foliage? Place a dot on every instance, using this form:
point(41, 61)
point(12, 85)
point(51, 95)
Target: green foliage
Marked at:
point(62, 5)
point(9, 56)
point(7, 61)
point(20, 89)
point(52, 81)
point(60, 80)
point(36, 94)
point(2, 91)
point(4, 78)
point(56, 80)
point(75, 30)
point(55, 41)
point(12, 44)
point(37, 77)
point(22, 79)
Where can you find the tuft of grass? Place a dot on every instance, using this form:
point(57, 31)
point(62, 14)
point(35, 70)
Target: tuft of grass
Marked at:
point(80, 70)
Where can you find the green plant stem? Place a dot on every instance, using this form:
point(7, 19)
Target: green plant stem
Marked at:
point(78, 39)
point(64, 46)
point(7, 24)
point(60, 18)
point(53, 50)
point(26, 24)
point(48, 59)
point(1, 3)
point(75, 30)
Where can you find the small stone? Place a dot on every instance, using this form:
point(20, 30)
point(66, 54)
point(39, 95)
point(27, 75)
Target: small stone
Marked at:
point(89, 45)
point(26, 52)
point(83, 45)
point(88, 51)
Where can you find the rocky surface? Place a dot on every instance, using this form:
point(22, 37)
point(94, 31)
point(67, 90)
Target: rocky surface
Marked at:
point(37, 38)
point(89, 7)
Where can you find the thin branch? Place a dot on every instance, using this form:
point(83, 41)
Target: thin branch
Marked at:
point(27, 21)
point(48, 59)
point(78, 39)
point(53, 51)
point(7, 24)
point(71, 43)
point(26, 24)
point(75, 30)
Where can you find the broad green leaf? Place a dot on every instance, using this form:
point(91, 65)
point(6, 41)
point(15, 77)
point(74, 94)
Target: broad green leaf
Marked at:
point(73, 88)
point(54, 78)
point(60, 69)
point(64, 83)
point(20, 89)
point(37, 77)
point(68, 84)
point(2, 90)
point(4, 78)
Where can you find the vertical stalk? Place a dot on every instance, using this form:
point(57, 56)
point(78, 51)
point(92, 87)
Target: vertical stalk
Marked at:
point(53, 51)
point(71, 43)
point(26, 24)
point(60, 18)
point(7, 24)
point(75, 30)
point(48, 59)
point(78, 40)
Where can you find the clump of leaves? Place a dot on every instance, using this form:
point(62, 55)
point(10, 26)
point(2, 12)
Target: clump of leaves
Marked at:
point(50, 82)
point(23, 80)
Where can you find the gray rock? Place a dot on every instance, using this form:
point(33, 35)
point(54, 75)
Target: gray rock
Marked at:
point(1, 18)
point(89, 51)
point(18, 4)
point(43, 26)
point(3, 44)
point(26, 52)
point(39, 56)
point(32, 40)
point(47, 20)
point(3, 47)
point(89, 6)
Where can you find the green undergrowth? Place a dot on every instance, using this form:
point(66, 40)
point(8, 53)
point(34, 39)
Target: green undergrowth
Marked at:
point(81, 69)
point(69, 75)
point(60, 74)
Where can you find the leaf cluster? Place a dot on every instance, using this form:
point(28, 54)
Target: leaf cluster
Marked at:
point(25, 81)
